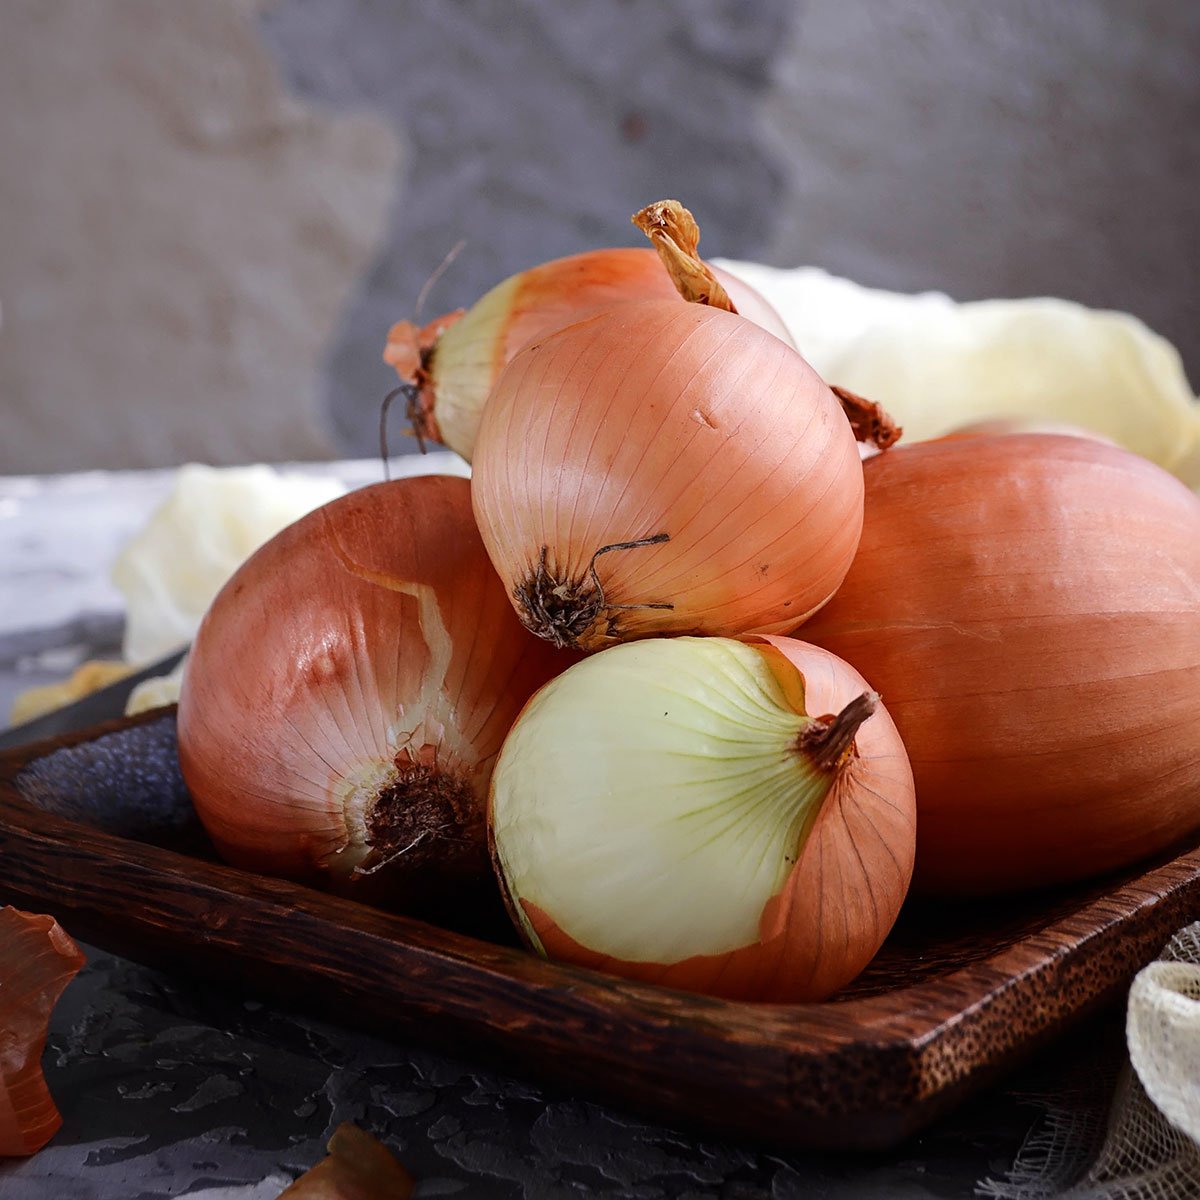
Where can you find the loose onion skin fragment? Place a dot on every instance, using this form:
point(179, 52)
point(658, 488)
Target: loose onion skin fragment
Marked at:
point(452, 363)
point(348, 693)
point(359, 1167)
point(1030, 607)
point(706, 814)
point(662, 469)
point(37, 961)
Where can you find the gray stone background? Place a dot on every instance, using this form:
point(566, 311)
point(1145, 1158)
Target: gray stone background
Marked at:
point(211, 212)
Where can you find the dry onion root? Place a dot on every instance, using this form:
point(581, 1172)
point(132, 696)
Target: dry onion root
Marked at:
point(706, 814)
point(1030, 607)
point(348, 693)
point(661, 469)
point(449, 366)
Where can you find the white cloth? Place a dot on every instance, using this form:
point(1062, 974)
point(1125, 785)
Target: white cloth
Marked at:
point(1151, 1143)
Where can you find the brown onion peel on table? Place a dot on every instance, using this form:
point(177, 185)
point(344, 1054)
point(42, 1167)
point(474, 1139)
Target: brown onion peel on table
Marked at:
point(37, 961)
point(358, 1167)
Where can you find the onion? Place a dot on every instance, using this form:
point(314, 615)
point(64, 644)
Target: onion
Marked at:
point(665, 468)
point(997, 426)
point(451, 364)
point(37, 961)
point(1030, 607)
point(348, 692)
point(668, 811)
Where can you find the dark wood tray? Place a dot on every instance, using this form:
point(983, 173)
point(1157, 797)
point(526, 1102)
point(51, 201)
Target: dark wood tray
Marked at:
point(957, 996)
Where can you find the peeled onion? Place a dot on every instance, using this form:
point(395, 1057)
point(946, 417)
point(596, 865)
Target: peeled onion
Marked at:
point(690, 812)
point(452, 363)
point(665, 468)
point(349, 689)
point(1029, 605)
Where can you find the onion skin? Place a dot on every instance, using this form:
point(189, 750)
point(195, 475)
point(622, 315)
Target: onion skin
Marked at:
point(368, 638)
point(1001, 426)
point(838, 901)
point(358, 1167)
point(37, 961)
point(678, 422)
point(1029, 606)
point(454, 361)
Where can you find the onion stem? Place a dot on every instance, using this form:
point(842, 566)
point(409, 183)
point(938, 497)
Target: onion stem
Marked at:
point(675, 235)
point(828, 740)
point(871, 422)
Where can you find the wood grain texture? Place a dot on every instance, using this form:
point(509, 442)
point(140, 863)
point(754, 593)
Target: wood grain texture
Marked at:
point(958, 995)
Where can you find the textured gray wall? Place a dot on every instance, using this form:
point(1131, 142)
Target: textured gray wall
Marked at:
point(535, 129)
point(1016, 148)
point(984, 148)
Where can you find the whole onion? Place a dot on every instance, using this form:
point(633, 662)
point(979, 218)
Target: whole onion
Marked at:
point(665, 468)
point(348, 692)
point(451, 364)
point(1029, 607)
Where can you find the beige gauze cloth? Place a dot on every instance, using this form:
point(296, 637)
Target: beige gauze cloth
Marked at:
point(1151, 1143)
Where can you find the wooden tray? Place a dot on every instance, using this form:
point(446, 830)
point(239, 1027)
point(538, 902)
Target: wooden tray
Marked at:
point(957, 996)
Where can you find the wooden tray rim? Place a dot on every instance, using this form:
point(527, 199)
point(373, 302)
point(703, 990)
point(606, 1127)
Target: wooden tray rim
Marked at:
point(912, 1027)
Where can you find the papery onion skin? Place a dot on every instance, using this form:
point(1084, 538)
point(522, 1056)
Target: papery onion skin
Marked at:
point(358, 1167)
point(454, 361)
point(37, 961)
point(368, 645)
point(682, 424)
point(1030, 607)
point(1003, 426)
point(592, 870)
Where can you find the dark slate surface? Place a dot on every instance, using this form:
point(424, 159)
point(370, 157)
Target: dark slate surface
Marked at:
point(170, 1088)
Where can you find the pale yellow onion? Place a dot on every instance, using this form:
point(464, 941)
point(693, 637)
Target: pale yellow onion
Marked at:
point(1029, 605)
point(683, 429)
point(666, 811)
